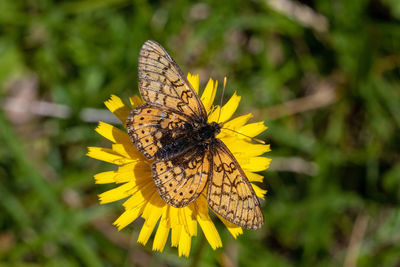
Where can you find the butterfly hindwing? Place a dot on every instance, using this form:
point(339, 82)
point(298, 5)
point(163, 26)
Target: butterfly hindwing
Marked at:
point(181, 179)
point(230, 193)
point(150, 128)
point(163, 84)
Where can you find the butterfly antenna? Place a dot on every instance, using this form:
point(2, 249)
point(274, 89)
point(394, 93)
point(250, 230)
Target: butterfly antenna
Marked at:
point(252, 138)
point(222, 98)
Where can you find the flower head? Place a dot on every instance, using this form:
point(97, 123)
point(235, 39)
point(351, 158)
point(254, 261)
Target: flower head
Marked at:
point(134, 181)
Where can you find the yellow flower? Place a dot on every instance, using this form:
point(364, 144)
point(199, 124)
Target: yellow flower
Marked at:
point(134, 179)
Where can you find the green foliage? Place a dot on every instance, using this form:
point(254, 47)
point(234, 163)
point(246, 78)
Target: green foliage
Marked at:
point(334, 198)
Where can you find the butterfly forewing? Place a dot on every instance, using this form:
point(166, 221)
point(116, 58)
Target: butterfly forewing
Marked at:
point(162, 82)
point(181, 179)
point(230, 193)
point(150, 128)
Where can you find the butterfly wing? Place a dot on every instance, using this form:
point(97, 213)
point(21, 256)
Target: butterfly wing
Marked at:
point(163, 84)
point(151, 128)
point(181, 179)
point(230, 193)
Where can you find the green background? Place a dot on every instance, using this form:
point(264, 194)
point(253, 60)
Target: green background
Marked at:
point(324, 75)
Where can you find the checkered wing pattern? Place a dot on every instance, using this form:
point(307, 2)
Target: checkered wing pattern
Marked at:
point(163, 84)
point(230, 193)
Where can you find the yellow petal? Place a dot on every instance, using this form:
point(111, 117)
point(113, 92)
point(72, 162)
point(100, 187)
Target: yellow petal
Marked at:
point(136, 101)
point(127, 150)
point(206, 224)
point(236, 123)
point(229, 108)
point(232, 228)
point(105, 177)
point(194, 227)
point(112, 133)
point(125, 173)
point(138, 172)
point(175, 235)
point(145, 233)
point(165, 217)
point(209, 94)
point(107, 155)
point(254, 177)
point(116, 194)
point(194, 81)
point(181, 217)
point(119, 108)
point(161, 237)
point(243, 148)
point(120, 149)
point(188, 223)
point(121, 140)
point(174, 216)
point(215, 113)
point(256, 164)
point(128, 216)
point(210, 232)
point(184, 244)
point(153, 210)
point(201, 206)
point(151, 213)
point(140, 193)
point(259, 192)
point(253, 129)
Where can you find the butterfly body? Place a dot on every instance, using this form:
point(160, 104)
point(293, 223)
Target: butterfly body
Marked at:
point(200, 136)
point(172, 129)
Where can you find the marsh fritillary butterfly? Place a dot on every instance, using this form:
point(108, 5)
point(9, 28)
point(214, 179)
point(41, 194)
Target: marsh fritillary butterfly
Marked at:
point(172, 129)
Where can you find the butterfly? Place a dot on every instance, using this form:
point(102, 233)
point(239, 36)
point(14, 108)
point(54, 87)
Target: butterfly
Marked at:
point(172, 129)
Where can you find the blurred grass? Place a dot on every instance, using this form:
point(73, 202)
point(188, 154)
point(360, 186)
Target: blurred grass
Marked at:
point(343, 211)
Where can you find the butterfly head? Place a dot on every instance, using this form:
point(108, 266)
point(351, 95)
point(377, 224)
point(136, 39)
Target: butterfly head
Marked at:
point(216, 126)
point(208, 131)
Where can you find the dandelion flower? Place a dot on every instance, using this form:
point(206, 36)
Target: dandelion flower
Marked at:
point(134, 180)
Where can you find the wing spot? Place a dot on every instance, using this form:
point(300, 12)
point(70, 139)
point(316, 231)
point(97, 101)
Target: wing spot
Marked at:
point(143, 131)
point(181, 194)
point(149, 111)
point(175, 191)
point(141, 118)
point(166, 176)
point(147, 140)
point(170, 185)
point(191, 192)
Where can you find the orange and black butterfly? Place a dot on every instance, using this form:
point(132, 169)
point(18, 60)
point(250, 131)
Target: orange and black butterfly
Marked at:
point(172, 129)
